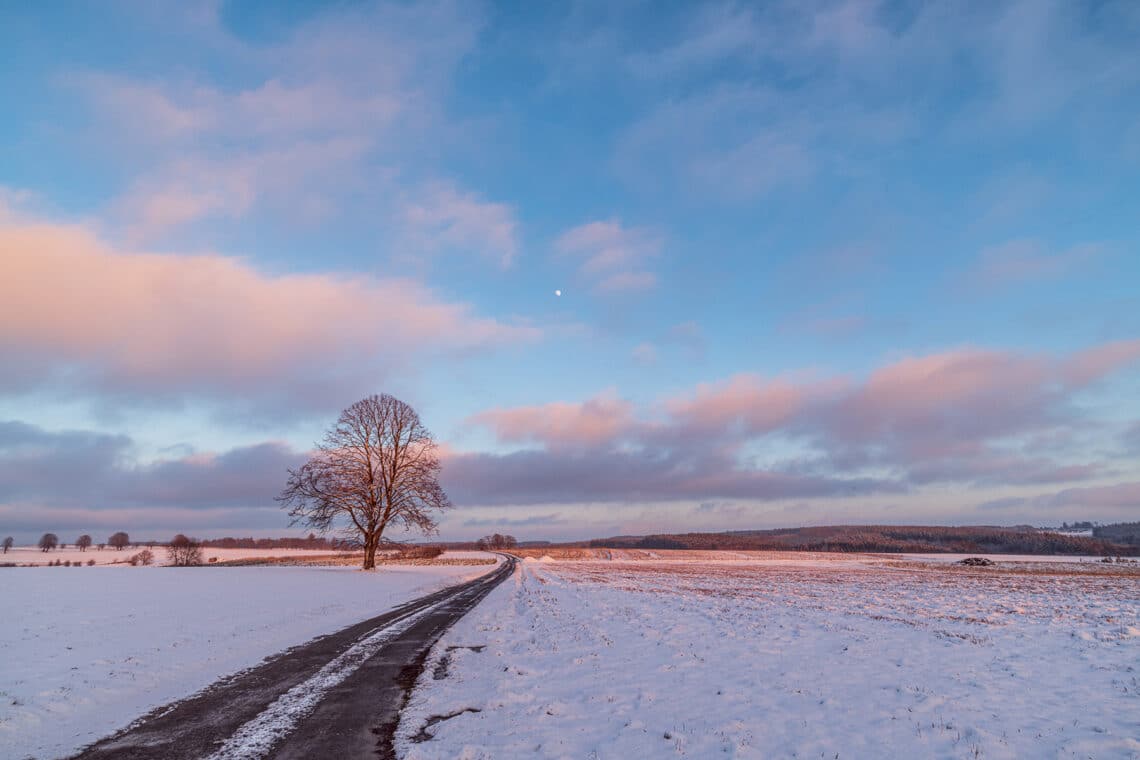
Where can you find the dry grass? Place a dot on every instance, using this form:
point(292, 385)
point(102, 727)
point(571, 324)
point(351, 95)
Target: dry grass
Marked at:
point(925, 595)
point(683, 555)
point(349, 559)
point(828, 562)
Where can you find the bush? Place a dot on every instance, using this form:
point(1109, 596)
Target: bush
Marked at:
point(145, 557)
point(90, 563)
point(184, 552)
point(419, 552)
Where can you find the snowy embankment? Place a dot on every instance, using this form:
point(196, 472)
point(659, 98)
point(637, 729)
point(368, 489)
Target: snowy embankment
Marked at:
point(86, 652)
point(855, 659)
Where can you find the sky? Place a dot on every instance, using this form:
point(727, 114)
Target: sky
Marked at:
point(818, 262)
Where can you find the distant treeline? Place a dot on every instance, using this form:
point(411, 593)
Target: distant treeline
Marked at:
point(312, 541)
point(1121, 533)
point(882, 538)
point(483, 543)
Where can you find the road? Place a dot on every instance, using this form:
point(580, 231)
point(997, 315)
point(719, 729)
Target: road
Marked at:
point(338, 696)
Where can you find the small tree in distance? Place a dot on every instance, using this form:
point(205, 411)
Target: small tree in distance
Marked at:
point(145, 557)
point(48, 541)
point(497, 541)
point(376, 466)
point(8, 544)
point(83, 542)
point(182, 552)
point(119, 541)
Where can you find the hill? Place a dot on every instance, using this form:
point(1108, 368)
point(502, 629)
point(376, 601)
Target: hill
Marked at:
point(879, 538)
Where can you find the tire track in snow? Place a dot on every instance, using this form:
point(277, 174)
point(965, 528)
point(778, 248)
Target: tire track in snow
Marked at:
point(356, 672)
point(256, 738)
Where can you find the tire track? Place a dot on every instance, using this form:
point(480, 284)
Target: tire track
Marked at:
point(270, 710)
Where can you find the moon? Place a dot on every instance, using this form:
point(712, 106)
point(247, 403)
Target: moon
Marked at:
point(558, 292)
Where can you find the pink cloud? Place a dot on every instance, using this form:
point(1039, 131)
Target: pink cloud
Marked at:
point(612, 256)
point(966, 390)
point(74, 309)
point(1091, 364)
point(746, 404)
point(600, 420)
point(969, 416)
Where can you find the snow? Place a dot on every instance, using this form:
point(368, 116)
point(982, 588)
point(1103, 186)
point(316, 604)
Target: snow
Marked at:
point(30, 555)
point(86, 651)
point(1004, 557)
point(865, 658)
point(254, 739)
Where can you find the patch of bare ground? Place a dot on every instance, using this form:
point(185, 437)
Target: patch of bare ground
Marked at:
point(423, 735)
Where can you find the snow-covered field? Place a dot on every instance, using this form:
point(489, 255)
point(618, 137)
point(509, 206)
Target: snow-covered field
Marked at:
point(1078, 558)
point(29, 555)
point(84, 652)
point(858, 658)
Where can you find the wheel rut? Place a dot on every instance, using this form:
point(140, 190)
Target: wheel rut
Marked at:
point(339, 695)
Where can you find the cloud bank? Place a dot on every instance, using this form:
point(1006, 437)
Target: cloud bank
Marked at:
point(81, 315)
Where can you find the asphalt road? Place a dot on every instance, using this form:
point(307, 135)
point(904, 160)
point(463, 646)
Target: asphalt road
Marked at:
point(338, 696)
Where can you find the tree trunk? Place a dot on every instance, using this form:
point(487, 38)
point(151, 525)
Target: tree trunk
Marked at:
point(370, 543)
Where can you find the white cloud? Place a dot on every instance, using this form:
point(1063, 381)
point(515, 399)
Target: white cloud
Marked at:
point(442, 217)
point(611, 256)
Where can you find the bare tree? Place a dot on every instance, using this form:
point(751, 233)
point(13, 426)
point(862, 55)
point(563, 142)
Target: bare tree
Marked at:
point(119, 541)
point(48, 541)
point(83, 542)
point(497, 541)
point(182, 551)
point(8, 544)
point(378, 465)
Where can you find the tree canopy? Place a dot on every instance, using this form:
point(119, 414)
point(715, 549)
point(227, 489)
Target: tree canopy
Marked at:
point(377, 466)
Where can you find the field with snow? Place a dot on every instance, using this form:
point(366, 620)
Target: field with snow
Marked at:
point(24, 556)
point(809, 656)
point(86, 651)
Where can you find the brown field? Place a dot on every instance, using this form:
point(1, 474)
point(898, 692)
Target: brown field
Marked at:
point(680, 555)
point(751, 561)
point(343, 559)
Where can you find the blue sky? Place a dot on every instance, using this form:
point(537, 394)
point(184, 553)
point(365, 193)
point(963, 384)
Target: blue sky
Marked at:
point(820, 262)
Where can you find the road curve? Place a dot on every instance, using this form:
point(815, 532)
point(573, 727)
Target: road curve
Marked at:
point(336, 696)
